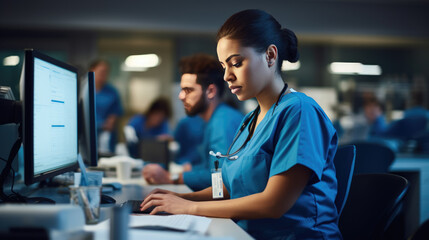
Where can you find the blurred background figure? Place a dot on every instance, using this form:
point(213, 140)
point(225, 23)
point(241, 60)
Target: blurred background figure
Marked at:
point(416, 109)
point(373, 111)
point(108, 107)
point(412, 126)
point(152, 124)
point(188, 134)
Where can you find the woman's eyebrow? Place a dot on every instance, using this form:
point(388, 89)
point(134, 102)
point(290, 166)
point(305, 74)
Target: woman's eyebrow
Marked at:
point(229, 58)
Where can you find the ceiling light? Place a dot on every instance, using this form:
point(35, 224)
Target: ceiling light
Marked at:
point(354, 68)
point(125, 68)
point(11, 61)
point(142, 61)
point(288, 66)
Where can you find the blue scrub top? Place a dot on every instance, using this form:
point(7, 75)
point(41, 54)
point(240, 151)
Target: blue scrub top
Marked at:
point(108, 102)
point(218, 135)
point(138, 122)
point(378, 127)
point(189, 133)
point(297, 132)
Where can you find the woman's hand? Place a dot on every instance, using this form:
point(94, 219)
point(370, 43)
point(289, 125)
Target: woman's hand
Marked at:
point(162, 191)
point(166, 201)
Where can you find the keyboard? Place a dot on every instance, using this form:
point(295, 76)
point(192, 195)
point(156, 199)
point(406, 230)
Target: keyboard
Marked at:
point(134, 205)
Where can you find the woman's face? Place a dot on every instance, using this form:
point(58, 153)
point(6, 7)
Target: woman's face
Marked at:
point(246, 71)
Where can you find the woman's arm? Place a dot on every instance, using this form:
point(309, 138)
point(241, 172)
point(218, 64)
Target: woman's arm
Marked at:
point(279, 196)
point(203, 195)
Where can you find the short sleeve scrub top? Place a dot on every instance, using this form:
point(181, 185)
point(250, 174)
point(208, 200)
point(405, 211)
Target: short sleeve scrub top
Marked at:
point(296, 131)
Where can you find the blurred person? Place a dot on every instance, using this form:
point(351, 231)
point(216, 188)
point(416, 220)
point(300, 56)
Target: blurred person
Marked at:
point(108, 106)
point(416, 109)
point(202, 89)
point(152, 124)
point(188, 134)
point(373, 111)
point(279, 179)
point(412, 125)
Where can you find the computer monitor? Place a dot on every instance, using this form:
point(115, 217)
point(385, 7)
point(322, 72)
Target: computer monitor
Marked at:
point(50, 117)
point(87, 122)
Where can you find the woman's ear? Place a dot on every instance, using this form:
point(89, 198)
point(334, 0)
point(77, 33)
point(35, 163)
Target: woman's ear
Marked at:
point(272, 54)
point(211, 91)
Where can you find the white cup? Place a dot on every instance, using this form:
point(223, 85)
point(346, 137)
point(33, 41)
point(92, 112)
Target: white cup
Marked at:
point(123, 169)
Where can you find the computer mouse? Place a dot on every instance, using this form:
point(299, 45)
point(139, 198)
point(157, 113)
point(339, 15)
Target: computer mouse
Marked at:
point(106, 199)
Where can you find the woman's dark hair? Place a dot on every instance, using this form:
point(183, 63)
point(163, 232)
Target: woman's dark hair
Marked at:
point(258, 29)
point(207, 68)
point(160, 105)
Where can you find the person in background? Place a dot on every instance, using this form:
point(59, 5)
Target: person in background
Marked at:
point(188, 134)
point(202, 89)
point(108, 106)
point(279, 179)
point(373, 111)
point(417, 103)
point(152, 124)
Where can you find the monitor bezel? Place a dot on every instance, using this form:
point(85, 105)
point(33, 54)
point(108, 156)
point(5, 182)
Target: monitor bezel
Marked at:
point(88, 114)
point(28, 120)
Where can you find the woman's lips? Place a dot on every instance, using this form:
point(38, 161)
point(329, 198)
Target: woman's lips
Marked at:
point(235, 89)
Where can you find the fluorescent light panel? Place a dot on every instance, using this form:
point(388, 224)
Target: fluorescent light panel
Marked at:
point(142, 61)
point(288, 66)
point(354, 68)
point(11, 61)
point(125, 68)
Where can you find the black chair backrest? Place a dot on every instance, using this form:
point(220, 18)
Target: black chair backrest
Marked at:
point(422, 233)
point(344, 162)
point(373, 202)
point(373, 157)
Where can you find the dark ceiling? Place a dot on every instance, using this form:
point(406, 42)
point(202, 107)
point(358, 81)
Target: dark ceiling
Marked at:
point(387, 18)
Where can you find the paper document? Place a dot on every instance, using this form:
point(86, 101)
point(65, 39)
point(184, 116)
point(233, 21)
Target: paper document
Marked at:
point(174, 222)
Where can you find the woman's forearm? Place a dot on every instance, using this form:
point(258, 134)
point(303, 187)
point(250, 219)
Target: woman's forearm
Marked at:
point(279, 196)
point(249, 207)
point(203, 195)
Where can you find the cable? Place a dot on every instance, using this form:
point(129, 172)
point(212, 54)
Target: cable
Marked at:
point(16, 196)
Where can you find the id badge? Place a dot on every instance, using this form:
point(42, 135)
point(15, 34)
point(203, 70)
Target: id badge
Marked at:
point(217, 184)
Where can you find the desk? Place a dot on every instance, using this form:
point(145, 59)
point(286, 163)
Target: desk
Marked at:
point(136, 189)
point(418, 164)
point(416, 203)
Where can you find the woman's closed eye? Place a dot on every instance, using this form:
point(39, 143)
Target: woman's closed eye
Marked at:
point(238, 64)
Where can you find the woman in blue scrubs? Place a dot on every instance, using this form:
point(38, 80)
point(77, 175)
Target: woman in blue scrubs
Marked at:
point(278, 176)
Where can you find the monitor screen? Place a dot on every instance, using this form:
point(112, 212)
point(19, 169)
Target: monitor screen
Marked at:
point(87, 123)
point(50, 117)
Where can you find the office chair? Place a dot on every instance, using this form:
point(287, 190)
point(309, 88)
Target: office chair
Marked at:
point(373, 203)
point(344, 162)
point(422, 233)
point(372, 157)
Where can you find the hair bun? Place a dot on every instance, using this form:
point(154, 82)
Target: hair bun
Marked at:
point(291, 50)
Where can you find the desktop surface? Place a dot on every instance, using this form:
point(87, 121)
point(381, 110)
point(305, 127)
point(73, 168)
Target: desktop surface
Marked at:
point(219, 227)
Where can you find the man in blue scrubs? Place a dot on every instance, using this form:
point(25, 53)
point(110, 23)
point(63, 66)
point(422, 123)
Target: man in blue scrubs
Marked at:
point(202, 89)
point(108, 103)
point(189, 133)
